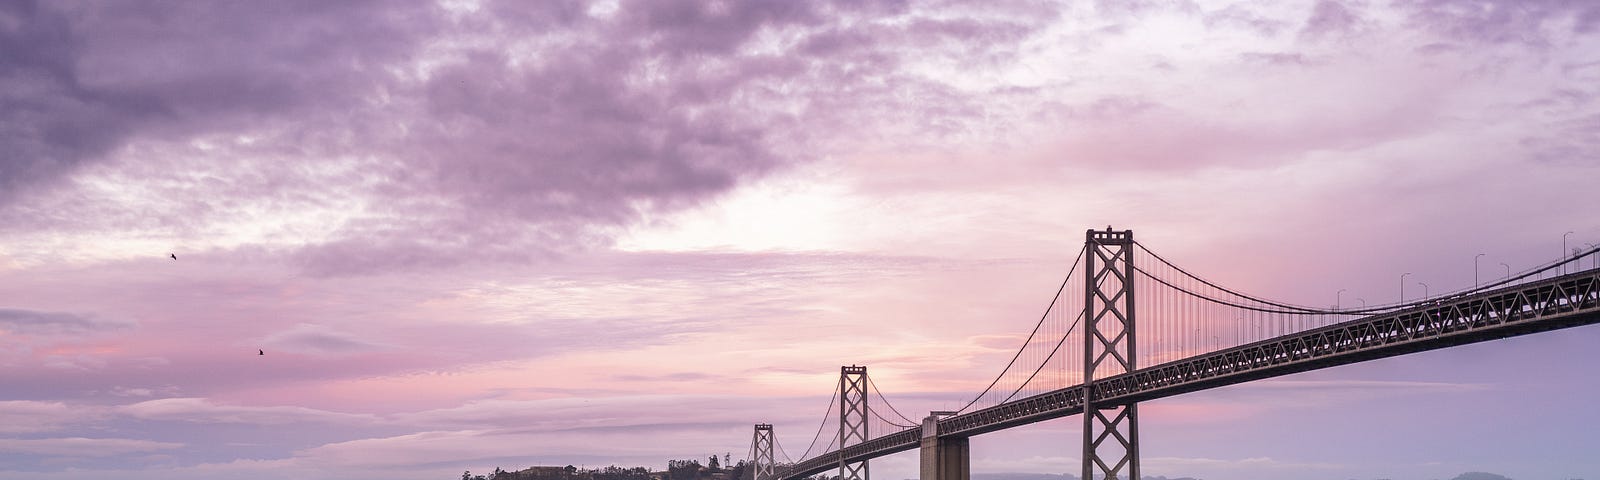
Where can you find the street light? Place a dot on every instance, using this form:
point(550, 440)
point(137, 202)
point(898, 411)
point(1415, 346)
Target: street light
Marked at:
point(1475, 271)
point(1424, 290)
point(1363, 302)
point(1403, 287)
point(1338, 299)
point(1563, 256)
point(1508, 270)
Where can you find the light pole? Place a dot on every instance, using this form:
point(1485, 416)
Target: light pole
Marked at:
point(1564, 252)
point(1363, 302)
point(1475, 271)
point(1508, 271)
point(1403, 287)
point(1338, 299)
point(1424, 290)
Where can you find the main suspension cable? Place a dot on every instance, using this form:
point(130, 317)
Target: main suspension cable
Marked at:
point(1301, 310)
point(885, 420)
point(780, 449)
point(1025, 343)
point(832, 397)
point(1046, 361)
point(885, 401)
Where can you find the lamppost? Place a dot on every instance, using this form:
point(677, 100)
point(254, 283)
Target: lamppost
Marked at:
point(1475, 271)
point(1363, 302)
point(1403, 287)
point(1564, 252)
point(1338, 299)
point(1424, 290)
point(1508, 270)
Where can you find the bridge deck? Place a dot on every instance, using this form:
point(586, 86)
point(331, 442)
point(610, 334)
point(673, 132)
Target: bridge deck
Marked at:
point(1567, 301)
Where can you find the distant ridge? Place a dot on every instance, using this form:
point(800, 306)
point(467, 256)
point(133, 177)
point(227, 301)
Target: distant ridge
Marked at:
point(1052, 476)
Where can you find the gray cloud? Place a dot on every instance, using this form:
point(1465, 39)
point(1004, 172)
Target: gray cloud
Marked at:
point(1527, 22)
point(512, 133)
point(55, 323)
point(1275, 58)
point(1331, 18)
point(321, 340)
point(89, 77)
point(1238, 16)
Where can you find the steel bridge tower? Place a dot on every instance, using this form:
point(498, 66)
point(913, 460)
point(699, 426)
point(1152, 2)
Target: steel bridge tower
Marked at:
point(762, 441)
point(1111, 432)
point(852, 418)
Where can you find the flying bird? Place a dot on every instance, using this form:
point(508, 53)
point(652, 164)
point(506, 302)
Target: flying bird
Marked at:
point(173, 255)
point(261, 352)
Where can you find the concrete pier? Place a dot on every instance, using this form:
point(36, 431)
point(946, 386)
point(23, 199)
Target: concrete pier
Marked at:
point(944, 458)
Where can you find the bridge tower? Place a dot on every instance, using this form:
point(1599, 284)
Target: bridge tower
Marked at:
point(852, 418)
point(1110, 432)
point(762, 443)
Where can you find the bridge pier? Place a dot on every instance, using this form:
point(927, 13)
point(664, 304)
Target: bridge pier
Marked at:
point(944, 458)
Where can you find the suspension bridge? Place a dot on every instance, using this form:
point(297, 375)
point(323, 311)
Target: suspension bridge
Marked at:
point(1088, 353)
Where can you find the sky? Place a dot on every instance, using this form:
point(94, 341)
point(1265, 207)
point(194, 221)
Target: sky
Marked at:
point(478, 234)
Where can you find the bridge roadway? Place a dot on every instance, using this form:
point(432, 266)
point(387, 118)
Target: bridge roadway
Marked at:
point(1562, 302)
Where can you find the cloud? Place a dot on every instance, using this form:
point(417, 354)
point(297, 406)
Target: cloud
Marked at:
point(1529, 23)
point(84, 447)
point(596, 412)
point(1275, 59)
point(457, 447)
point(1190, 464)
point(425, 137)
point(83, 80)
point(1331, 18)
point(670, 377)
point(26, 416)
point(1304, 393)
point(320, 340)
point(1363, 385)
point(30, 322)
point(1239, 16)
point(201, 410)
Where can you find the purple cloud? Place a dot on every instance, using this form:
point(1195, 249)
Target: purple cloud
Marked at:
point(320, 340)
point(83, 447)
point(1505, 21)
point(1238, 16)
point(30, 322)
point(1331, 18)
point(429, 145)
point(86, 79)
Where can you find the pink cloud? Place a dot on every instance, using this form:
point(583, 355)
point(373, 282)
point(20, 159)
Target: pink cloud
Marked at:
point(84, 447)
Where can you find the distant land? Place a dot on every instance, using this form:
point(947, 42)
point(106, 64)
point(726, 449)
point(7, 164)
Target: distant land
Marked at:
point(715, 470)
point(1051, 476)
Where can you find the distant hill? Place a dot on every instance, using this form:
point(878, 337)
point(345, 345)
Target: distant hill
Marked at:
point(1052, 476)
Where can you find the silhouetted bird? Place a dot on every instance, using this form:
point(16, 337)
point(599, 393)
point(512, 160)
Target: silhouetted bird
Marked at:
point(261, 352)
point(173, 255)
